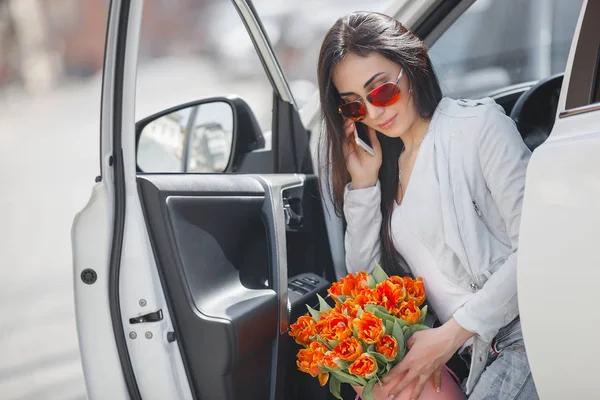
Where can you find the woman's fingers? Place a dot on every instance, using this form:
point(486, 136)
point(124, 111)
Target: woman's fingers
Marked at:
point(404, 383)
point(395, 372)
point(437, 380)
point(419, 388)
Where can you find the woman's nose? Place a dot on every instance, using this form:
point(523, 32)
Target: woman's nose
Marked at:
point(373, 111)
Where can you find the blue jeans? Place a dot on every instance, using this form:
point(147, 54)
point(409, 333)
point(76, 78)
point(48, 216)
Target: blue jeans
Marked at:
point(507, 375)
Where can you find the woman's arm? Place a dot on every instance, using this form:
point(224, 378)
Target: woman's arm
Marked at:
point(362, 210)
point(504, 158)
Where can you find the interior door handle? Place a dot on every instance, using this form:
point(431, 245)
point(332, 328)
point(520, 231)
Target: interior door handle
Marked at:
point(292, 218)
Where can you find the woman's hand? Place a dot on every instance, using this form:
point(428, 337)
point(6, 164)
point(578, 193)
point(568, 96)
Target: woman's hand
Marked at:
point(363, 167)
point(429, 351)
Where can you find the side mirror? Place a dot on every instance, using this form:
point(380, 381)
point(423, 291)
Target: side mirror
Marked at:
point(209, 135)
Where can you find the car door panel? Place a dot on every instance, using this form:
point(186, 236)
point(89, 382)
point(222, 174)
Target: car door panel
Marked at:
point(221, 251)
point(560, 226)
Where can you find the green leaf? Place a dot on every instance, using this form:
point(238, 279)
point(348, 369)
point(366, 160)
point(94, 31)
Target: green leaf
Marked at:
point(372, 308)
point(417, 327)
point(423, 315)
point(340, 299)
point(323, 306)
point(370, 348)
point(345, 377)
point(365, 346)
point(314, 313)
point(389, 327)
point(388, 367)
point(342, 363)
point(359, 313)
point(367, 393)
point(397, 333)
point(371, 283)
point(380, 358)
point(402, 322)
point(334, 343)
point(383, 316)
point(335, 387)
point(401, 351)
point(400, 336)
point(406, 332)
point(320, 339)
point(378, 273)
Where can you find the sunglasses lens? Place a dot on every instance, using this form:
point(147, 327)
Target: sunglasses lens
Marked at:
point(385, 95)
point(354, 110)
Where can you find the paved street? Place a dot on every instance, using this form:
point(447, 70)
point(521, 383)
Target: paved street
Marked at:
point(48, 161)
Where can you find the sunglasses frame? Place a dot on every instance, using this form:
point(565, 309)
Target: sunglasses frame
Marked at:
point(363, 101)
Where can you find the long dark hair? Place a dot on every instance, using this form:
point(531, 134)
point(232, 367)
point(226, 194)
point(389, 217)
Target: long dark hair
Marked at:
point(362, 34)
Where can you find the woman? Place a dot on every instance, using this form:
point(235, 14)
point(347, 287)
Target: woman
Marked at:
point(440, 198)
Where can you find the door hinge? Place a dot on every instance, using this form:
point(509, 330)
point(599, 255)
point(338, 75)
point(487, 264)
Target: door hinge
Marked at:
point(151, 317)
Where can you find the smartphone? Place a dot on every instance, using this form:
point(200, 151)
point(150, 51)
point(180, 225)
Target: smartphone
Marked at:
point(361, 137)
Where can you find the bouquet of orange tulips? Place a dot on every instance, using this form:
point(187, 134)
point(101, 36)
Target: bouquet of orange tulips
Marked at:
point(364, 335)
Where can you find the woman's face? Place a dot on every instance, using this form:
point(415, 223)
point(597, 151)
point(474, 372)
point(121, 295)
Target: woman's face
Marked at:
point(354, 77)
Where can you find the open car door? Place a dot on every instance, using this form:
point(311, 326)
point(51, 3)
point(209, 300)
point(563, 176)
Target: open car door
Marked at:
point(185, 282)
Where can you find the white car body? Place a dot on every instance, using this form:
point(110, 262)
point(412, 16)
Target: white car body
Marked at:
point(558, 258)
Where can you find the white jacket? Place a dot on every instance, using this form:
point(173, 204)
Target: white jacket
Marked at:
point(481, 162)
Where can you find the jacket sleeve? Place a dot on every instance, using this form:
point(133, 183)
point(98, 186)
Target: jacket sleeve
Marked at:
point(503, 157)
point(362, 209)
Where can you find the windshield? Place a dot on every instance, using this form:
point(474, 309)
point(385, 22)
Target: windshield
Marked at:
point(495, 44)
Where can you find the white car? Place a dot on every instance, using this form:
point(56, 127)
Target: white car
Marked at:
point(186, 283)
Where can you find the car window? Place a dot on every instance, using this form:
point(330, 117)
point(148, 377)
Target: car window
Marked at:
point(191, 50)
point(495, 44)
point(296, 30)
point(584, 83)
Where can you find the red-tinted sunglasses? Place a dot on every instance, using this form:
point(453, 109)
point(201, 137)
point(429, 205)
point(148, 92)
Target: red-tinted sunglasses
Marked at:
point(382, 96)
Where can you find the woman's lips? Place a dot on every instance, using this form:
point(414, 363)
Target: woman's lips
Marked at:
point(388, 124)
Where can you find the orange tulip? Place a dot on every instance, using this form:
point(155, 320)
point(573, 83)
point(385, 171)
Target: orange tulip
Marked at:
point(396, 280)
point(334, 326)
point(418, 295)
point(329, 360)
point(323, 378)
point(349, 285)
point(387, 346)
point(370, 328)
point(344, 287)
point(364, 295)
point(303, 329)
point(309, 358)
point(349, 349)
point(389, 295)
point(365, 366)
point(409, 312)
point(350, 308)
point(361, 279)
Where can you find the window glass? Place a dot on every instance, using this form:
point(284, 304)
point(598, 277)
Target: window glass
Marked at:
point(296, 30)
point(495, 44)
point(585, 75)
point(191, 50)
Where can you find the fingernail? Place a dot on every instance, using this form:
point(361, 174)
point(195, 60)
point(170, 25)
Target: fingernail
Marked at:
point(391, 397)
point(438, 389)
